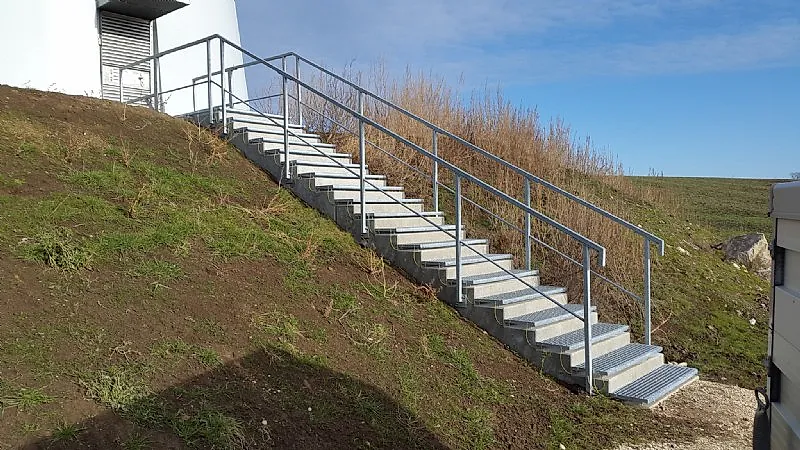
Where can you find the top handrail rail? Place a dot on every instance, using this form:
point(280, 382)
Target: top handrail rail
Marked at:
point(527, 175)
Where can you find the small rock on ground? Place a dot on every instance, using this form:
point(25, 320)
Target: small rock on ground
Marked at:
point(726, 411)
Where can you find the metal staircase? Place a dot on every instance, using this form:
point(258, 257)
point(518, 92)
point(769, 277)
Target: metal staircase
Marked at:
point(536, 321)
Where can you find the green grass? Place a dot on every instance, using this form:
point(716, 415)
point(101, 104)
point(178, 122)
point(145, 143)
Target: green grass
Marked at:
point(726, 206)
point(117, 387)
point(65, 433)
point(702, 304)
point(24, 399)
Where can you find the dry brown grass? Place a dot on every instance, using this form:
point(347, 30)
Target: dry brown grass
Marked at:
point(550, 151)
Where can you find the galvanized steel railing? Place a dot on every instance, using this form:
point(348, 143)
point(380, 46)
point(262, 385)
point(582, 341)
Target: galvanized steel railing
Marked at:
point(225, 87)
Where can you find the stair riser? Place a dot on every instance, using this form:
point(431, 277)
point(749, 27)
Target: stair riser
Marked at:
point(576, 357)
point(555, 329)
point(355, 208)
point(528, 306)
point(276, 134)
point(334, 158)
point(370, 196)
point(499, 287)
point(278, 148)
point(302, 169)
point(388, 223)
point(259, 120)
point(335, 181)
point(630, 374)
point(450, 252)
point(477, 269)
point(427, 236)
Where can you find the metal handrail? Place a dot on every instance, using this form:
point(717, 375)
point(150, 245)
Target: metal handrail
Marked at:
point(527, 175)
point(459, 174)
point(495, 216)
point(426, 219)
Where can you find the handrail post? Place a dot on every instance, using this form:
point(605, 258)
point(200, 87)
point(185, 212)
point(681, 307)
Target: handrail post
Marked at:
point(362, 161)
point(527, 225)
point(194, 99)
point(459, 281)
point(155, 85)
point(285, 124)
point(647, 318)
point(222, 85)
point(435, 149)
point(208, 84)
point(285, 90)
point(121, 97)
point(587, 314)
point(230, 88)
point(299, 92)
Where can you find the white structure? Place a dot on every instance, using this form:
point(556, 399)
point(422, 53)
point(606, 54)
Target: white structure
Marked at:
point(784, 339)
point(77, 46)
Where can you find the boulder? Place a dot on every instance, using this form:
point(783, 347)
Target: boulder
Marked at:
point(751, 251)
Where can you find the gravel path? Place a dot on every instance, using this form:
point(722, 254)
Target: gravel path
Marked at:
point(724, 412)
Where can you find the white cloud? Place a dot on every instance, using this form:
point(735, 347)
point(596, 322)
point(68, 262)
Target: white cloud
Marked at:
point(551, 40)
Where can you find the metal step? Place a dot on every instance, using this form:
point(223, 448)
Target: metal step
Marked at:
point(574, 339)
point(546, 316)
point(656, 385)
point(451, 262)
point(250, 115)
point(506, 298)
point(494, 277)
point(400, 206)
point(385, 221)
point(277, 144)
point(618, 360)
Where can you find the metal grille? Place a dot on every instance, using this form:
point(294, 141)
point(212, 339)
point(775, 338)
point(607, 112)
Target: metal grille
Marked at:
point(124, 40)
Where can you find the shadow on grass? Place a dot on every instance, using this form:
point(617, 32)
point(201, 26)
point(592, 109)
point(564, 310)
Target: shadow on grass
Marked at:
point(268, 399)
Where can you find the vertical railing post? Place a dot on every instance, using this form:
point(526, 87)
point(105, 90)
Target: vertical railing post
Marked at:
point(435, 149)
point(208, 83)
point(285, 97)
point(194, 98)
point(121, 97)
point(299, 91)
point(362, 156)
point(647, 318)
point(155, 85)
point(222, 85)
point(285, 93)
point(527, 225)
point(459, 280)
point(230, 88)
point(587, 314)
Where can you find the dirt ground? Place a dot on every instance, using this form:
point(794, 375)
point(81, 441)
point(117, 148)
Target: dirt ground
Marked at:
point(726, 412)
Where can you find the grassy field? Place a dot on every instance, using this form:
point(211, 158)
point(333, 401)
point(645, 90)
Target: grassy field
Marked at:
point(703, 304)
point(160, 292)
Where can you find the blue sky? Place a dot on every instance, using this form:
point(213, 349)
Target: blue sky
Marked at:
point(687, 87)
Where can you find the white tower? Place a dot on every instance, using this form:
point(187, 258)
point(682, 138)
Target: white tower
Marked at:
point(77, 46)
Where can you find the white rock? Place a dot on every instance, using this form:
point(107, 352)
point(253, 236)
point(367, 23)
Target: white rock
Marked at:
point(561, 446)
point(682, 251)
point(750, 251)
point(752, 321)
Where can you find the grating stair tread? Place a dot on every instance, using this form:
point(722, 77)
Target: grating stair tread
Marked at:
point(656, 385)
point(546, 316)
point(574, 339)
point(474, 280)
point(451, 262)
point(326, 164)
point(522, 295)
point(279, 151)
point(423, 229)
point(618, 360)
point(340, 176)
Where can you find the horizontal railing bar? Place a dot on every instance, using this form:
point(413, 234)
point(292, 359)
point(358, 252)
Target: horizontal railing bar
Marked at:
point(173, 50)
point(169, 91)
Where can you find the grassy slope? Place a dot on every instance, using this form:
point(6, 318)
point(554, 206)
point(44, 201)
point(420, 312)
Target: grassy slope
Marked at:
point(160, 292)
point(705, 303)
